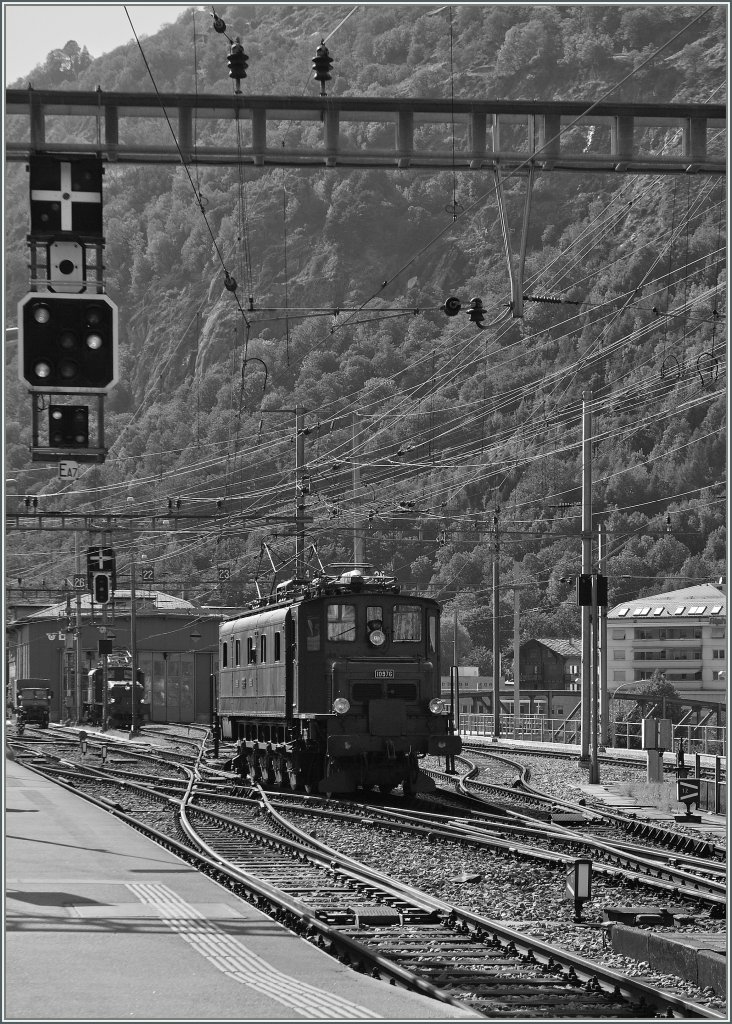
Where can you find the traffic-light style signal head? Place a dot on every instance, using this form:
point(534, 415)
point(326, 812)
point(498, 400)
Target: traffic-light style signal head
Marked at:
point(237, 62)
point(322, 63)
point(584, 589)
point(102, 587)
point(67, 343)
point(68, 426)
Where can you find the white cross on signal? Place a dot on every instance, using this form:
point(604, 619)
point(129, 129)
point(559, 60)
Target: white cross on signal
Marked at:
point(65, 196)
point(97, 557)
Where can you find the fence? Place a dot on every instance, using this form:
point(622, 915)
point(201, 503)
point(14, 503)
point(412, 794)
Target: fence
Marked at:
point(538, 728)
point(705, 739)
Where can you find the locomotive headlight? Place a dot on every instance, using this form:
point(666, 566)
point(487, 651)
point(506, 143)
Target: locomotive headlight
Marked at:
point(341, 705)
point(111, 700)
point(437, 706)
point(377, 637)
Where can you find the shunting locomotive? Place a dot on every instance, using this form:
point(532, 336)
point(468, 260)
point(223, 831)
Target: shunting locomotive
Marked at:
point(333, 684)
point(119, 693)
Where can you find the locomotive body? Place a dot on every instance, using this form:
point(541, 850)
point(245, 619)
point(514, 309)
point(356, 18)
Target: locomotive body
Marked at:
point(333, 684)
point(119, 693)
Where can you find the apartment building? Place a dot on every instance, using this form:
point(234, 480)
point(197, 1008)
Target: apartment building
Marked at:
point(682, 633)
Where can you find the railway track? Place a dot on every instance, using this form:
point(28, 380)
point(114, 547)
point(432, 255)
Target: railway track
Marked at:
point(377, 924)
point(551, 753)
point(522, 797)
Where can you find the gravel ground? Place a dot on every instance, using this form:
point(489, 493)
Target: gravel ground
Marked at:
point(525, 896)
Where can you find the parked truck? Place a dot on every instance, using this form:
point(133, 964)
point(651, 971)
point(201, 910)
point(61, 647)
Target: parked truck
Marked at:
point(35, 697)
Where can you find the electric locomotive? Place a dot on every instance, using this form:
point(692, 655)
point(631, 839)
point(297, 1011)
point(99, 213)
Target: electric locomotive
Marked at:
point(119, 693)
point(333, 684)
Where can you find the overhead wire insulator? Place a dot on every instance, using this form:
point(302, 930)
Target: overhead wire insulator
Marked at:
point(476, 312)
point(230, 283)
point(558, 299)
point(218, 23)
point(237, 62)
point(451, 306)
point(322, 63)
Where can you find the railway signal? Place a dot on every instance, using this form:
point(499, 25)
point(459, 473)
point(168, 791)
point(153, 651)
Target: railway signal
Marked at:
point(67, 343)
point(68, 426)
point(584, 589)
point(66, 197)
point(102, 587)
point(101, 561)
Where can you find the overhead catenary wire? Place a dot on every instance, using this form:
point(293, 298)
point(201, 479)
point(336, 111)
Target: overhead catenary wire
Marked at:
point(447, 381)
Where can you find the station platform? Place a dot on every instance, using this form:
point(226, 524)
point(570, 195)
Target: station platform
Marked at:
point(103, 924)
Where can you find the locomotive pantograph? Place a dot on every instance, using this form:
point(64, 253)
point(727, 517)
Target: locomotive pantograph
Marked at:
point(333, 684)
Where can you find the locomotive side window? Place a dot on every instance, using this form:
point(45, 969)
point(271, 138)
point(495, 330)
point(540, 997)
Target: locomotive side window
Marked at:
point(263, 648)
point(312, 633)
point(224, 654)
point(237, 651)
point(407, 622)
point(277, 647)
point(342, 622)
point(432, 634)
point(251, 651)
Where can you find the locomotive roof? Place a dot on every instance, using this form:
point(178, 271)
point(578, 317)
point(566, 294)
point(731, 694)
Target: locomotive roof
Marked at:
point(351, 584)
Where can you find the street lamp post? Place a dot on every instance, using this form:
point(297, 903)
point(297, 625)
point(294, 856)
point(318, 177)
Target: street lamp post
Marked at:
point(195, 636)
point(614, 695)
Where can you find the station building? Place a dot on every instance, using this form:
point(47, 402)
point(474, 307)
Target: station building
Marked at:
point(682, 634)
point(177, 649)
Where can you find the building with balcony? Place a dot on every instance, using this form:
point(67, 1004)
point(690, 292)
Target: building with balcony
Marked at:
point(680, 634)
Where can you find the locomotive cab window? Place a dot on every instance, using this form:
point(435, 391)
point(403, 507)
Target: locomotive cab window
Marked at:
point(341, 622)
point(251, 651)
point(237, 651)
point(407, 623)
point(312, 633)
point(277, 647)
point(432, 634)
point(224, 654)
point(375, 626)
point(263, 648)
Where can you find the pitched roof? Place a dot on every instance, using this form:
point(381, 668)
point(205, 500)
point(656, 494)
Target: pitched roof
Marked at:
point(163, 602)
point(566, 648)
point(655, 606)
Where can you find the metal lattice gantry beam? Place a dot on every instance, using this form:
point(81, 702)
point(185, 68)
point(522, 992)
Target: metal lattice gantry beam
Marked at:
point(376, 132)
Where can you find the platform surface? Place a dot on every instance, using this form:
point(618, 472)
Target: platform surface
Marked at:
point(103, 924)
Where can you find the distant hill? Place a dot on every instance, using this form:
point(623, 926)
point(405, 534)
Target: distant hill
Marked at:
point(418, 426)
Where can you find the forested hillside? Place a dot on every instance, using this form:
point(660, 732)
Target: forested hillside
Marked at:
point(419, 427)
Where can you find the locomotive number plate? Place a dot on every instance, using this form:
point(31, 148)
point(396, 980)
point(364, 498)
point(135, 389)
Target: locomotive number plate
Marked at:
point(384, 673)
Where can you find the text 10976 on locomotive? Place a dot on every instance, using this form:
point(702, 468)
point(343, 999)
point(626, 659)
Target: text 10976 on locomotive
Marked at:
point(119, 701)
point(333, 684)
